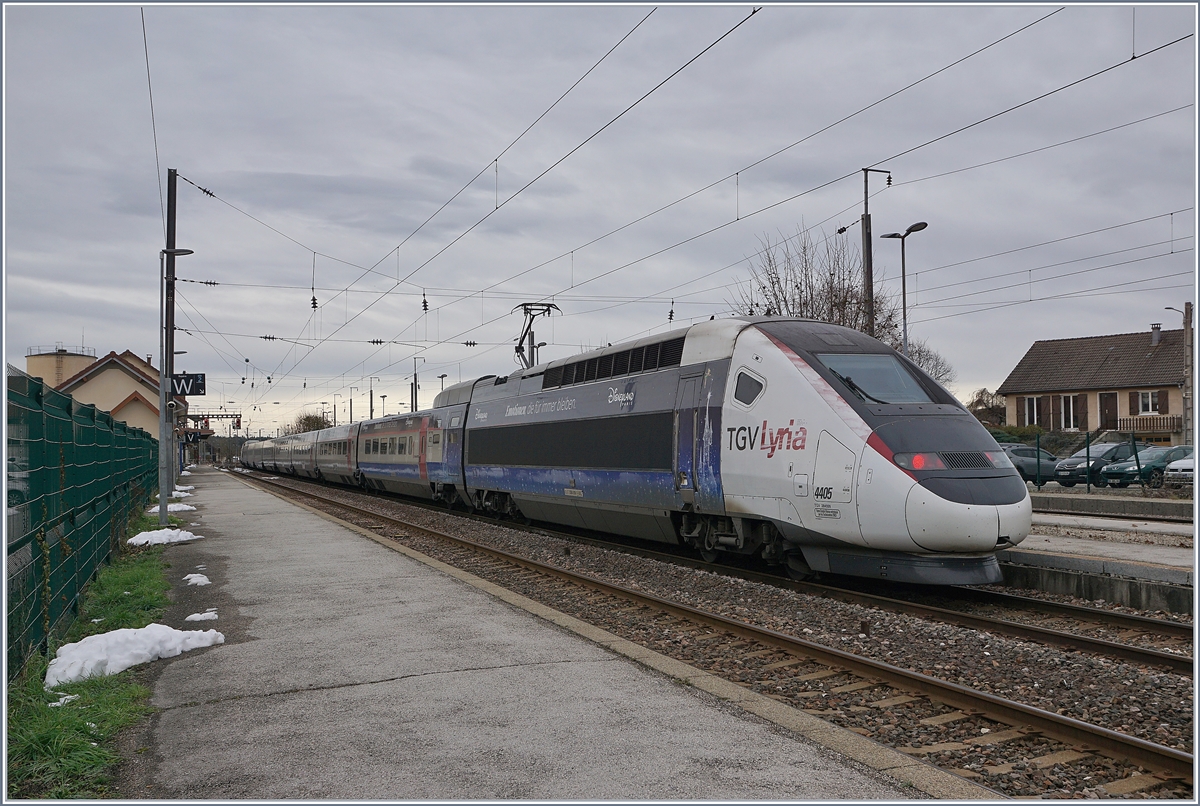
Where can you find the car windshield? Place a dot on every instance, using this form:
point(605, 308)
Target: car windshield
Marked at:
point(875, 377)
point(1148, 455)
point(1096, 450)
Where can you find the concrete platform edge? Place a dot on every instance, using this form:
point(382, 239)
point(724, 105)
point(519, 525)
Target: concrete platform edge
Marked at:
point(918, 774)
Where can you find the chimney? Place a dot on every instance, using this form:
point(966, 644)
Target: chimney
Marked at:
point(1155, 334)
point(150, 359)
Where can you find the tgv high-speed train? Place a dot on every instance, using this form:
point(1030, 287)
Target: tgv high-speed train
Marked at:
point(807, 443)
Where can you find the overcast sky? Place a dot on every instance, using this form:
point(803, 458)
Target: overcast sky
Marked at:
point(339, 130)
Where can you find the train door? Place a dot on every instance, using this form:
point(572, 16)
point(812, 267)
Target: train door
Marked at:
point(685, 438)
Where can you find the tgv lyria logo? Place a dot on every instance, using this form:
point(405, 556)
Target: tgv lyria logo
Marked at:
point(787, 438)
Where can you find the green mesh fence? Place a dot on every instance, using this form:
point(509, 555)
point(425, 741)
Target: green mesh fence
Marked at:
point(75, 476)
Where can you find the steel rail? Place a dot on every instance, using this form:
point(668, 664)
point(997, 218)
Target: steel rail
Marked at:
point(1182, 664)
point(1067, 729)
point(1111, 618)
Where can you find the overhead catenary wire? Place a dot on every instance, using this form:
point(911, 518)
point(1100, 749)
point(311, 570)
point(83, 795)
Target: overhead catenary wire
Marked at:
point(940, 138)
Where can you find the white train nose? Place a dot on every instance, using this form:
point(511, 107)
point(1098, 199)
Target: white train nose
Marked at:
point(936, 524)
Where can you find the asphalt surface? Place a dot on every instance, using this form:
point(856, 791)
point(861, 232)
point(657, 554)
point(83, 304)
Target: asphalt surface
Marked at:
point(351, 671)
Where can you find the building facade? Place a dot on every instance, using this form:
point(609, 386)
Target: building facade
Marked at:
point(1126, 382)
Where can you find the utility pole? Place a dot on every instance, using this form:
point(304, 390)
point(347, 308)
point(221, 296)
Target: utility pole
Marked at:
point(371, 384)
point(1189, 402)
point(867, 261)
point(415, 384)
point(167, 448)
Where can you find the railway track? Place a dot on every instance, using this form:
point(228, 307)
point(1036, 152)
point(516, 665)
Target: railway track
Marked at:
point(1031, 730)
point(1178, 662)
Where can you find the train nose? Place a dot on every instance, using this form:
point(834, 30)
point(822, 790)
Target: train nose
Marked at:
point(938, 524)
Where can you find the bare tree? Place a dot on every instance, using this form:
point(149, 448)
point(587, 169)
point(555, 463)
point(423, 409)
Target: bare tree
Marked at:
point(309, 422)
point(988, 407)
point(810, 279)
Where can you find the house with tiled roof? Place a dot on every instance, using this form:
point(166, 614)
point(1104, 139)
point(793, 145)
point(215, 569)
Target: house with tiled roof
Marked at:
point(1127, 382)
point(122, 384)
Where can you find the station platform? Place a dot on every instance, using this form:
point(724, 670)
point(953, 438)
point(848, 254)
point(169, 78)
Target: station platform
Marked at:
point(1149, 576)
point(355, 669)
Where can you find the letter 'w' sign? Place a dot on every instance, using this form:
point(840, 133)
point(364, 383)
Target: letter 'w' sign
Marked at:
point(188, 384)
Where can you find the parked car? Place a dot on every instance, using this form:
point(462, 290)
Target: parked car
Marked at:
point(1179, 472)
point(1153, 462)
point(1075, 469)
point(1026, 459)
point(16, 482)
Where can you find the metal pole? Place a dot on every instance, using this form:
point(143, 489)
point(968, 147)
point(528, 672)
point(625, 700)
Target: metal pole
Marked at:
point(1037, 438)
point(1137, 460)
point(164, 433)
point(169, 354)
point(1088, 458)
point(867, 261)
point(904, 294)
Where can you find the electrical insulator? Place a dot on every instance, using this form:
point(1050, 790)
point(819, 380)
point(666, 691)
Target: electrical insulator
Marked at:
point(268, 379)
point(470, 343)
point(889, 182)
point(671, 314)
point(314, 303)
point(243, 381)
point(424, 302)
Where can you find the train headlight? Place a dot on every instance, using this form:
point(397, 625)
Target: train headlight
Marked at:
point(998, 458)
point(919, 461)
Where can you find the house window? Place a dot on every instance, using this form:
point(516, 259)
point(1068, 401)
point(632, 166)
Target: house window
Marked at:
point(1070, 417)
point(1031, 411)
point(1148, 403)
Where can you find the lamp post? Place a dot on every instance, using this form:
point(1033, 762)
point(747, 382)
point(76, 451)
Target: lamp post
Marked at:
point(166, 402)
point(917, 227)
point(383, 405)
point(371, 384)
point(442, 378)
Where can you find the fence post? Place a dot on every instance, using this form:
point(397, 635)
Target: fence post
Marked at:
point(1138, 460)
point(1037, 450)
point(1088, 470)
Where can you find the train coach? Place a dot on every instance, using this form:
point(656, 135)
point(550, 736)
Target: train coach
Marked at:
point(809, 444)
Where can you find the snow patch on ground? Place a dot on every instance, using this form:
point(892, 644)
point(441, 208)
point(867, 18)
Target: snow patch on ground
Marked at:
point(184, 487)
point(116, 651)
point(160, 537)
point(209, 616)
point(184, 473)
point(197, 579)
point(171, 508)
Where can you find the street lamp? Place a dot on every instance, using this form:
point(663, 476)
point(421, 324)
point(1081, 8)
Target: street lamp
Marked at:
point(442, 378)
point(383, 405)
point(917, 227)
point(166, 402)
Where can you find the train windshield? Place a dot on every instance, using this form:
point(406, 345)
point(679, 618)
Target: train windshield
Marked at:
point(875, 377)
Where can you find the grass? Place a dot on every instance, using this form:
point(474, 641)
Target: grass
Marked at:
point(69, 751)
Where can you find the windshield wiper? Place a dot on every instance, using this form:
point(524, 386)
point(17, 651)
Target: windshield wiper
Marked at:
point(855, 388)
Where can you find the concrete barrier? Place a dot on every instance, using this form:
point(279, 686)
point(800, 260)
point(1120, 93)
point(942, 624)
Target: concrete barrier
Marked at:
point(1113, 506)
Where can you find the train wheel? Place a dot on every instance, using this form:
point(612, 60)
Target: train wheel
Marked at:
point(709, 555)
point(797, 568)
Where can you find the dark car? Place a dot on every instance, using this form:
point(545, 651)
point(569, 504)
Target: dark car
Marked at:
point(1026, 458)
point(1075, 469)
point(1153, 462)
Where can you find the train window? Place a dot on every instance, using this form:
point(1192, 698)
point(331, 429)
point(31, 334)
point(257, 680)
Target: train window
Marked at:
point(605, 368)
point(400, 446)
point(747, 389)
point(452, 437)
point(454, 421)
point(436, 439)
point(392, 445)
point(374, 446)
point(875, 377)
